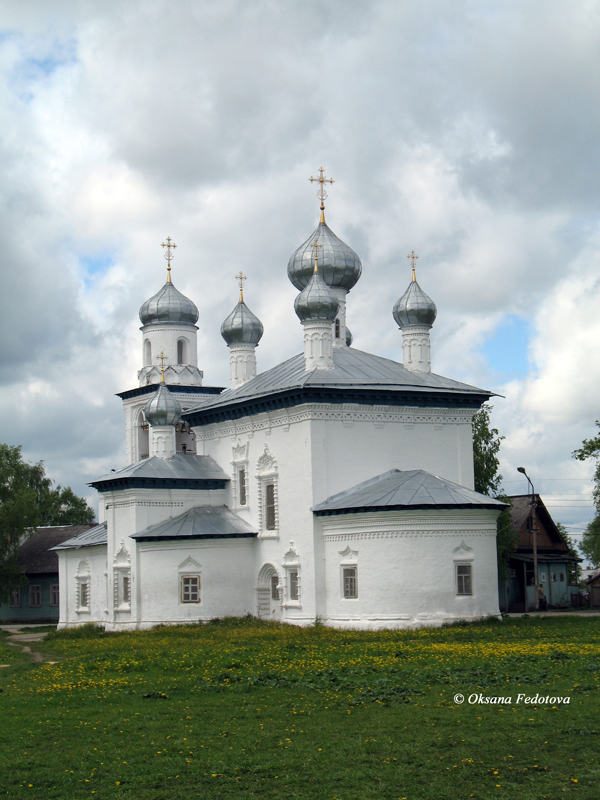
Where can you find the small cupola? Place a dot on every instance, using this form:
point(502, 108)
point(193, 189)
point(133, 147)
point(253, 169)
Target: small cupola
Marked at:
point(242, 331)
point(163, 414)
point(415, 313)
point(316, 307)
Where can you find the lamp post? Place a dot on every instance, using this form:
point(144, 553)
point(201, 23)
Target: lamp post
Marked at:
point(534, 529)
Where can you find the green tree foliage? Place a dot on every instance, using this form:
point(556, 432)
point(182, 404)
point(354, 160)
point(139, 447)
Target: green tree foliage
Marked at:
point(27, 500)
point(486, 446)
point(571, 567)
point(590, 541)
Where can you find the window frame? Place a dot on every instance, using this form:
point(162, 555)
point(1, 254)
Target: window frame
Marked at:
point(54, 595)
point(349, 568)
point(182, 585)
point(15, 598)
point(460, 578)
point(83, 590)
point(242, 486)
point(275, 587)
point(35, 589)
point(294, 585)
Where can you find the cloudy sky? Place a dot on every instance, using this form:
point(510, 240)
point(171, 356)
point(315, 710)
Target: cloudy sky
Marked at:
point(468, 131)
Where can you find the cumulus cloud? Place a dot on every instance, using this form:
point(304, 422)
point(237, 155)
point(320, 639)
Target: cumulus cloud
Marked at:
point(467, 131)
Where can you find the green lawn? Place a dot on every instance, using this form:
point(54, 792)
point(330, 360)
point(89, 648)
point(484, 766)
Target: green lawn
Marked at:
point(244, 709)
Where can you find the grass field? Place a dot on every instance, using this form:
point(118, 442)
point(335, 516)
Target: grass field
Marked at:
point(244, 709)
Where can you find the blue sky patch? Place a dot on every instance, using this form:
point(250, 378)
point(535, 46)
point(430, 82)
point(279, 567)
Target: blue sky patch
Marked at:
point(94, 266)
point(506, 350)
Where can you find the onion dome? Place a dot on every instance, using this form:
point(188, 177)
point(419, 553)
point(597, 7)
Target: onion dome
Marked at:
point(168, 305)
point(349, 337)
point(338, 264)
point(162, 409)
point(316, 301)
point(242, 326)
point(415, 307)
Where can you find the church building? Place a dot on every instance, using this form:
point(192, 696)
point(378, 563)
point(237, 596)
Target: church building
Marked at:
point(337, 485)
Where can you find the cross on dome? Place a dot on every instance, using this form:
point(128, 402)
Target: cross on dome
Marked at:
point(413, 257)
point(170, 245)
point(316, 245)
point(240, 278)
point(162, 358)
point(321, 194)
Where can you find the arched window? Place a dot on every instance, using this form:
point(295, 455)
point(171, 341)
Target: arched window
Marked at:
point(337, 329)
point(181, 351)
point(147, 353)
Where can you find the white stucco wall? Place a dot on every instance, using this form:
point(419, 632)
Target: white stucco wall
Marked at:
point(69, 562)
point(406, 567)
point(227, 580)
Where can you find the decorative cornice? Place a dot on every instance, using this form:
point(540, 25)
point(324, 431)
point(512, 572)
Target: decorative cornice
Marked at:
point(174, 388)
point(347, 413)
point(289, 398)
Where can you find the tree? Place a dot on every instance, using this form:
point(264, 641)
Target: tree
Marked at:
point(28, 499)
point(571, 566)
point(590, 541)
point(486, 446)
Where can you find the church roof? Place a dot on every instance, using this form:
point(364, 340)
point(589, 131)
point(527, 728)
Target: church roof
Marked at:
point(201, 522)
point(189, 471)
point(89, 538)
point(410, 489)
point(354, 370)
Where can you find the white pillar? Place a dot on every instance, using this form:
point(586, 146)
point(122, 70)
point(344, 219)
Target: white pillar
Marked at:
point(416, 348)
point(318, 344)
point(242, 363)
point(162, 441)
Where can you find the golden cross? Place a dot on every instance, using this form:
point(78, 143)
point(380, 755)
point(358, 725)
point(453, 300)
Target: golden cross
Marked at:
point(162, 358)
point(169, 255)
point(413, 256)
point(321, 194)
point(316, 245)
point(240, 279)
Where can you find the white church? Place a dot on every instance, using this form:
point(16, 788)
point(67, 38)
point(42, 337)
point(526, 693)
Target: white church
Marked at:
point(337, 485)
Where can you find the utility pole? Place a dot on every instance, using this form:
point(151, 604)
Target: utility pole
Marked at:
point(532, 517)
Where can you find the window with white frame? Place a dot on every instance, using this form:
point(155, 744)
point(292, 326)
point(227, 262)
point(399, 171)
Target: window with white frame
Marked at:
point(190, 588)
point(464, 579)
point(349, 573)
point(54, 594)
point(242, 486)
point(35, 595)
point(84, 595)
point(270, 521)
point(350, 582)
point(240, 474)
point(15, 598)
point(291, 565)
point(294, 583)
point(268, 494)
point(274, 587)
point(122, 578)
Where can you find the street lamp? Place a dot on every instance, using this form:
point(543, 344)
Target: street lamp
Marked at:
point(534, 529)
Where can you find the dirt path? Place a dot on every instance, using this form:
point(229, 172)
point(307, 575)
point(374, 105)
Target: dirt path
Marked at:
point(20, 639)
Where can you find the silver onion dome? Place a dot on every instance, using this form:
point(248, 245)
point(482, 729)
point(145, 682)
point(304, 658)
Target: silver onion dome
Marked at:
point(338, 264)
point(168, 305)
point(349, 338)
point(316, 301)
point(415, 307)
point(242, 326)
point(162, 409)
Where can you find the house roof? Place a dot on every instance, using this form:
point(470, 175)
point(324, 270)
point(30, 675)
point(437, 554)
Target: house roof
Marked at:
point(519, 513)
point(410, 489)
point(201, 522)
point(35, 554)
point(353, 370)
point(189, 471)
point(88, 538)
